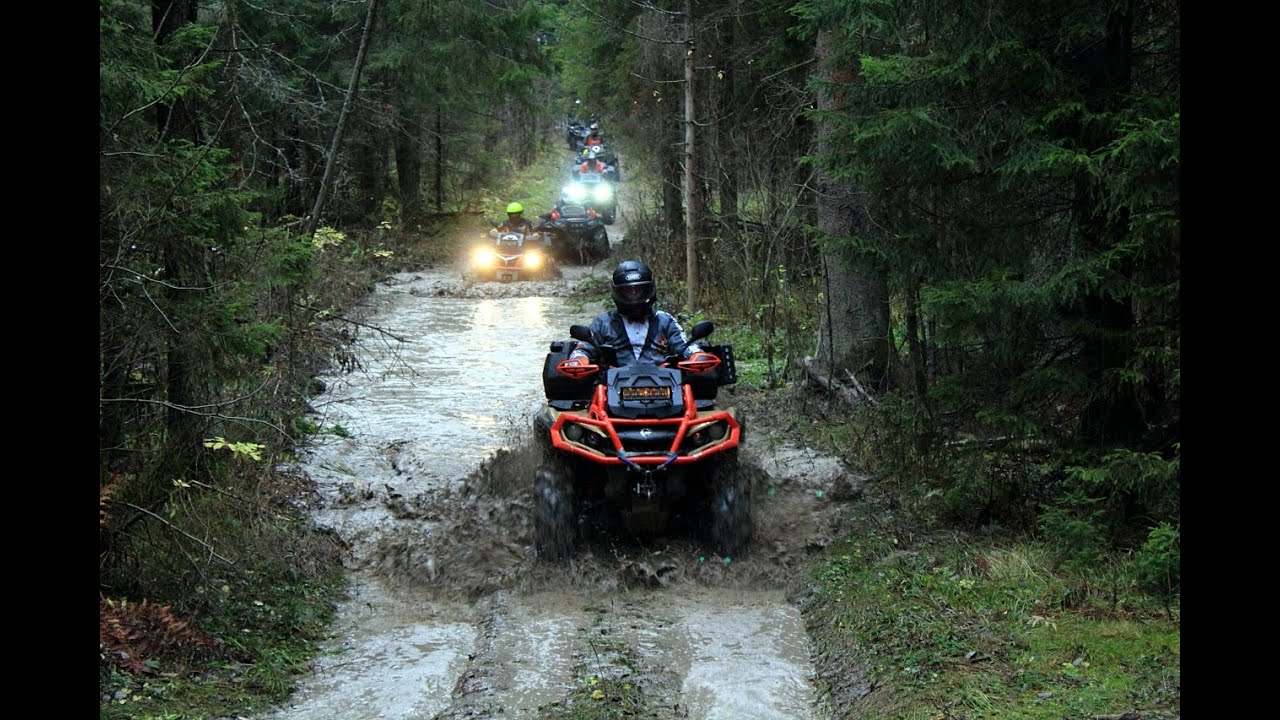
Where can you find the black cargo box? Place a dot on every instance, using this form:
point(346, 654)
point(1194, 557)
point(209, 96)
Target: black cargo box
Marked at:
point(705, 386)
point(561, 387)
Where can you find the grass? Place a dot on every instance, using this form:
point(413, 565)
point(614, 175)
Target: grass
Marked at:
point(944, 626)
point(536, 187)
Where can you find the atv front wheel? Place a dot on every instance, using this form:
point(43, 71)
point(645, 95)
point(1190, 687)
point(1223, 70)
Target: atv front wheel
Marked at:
point(553, 512)
point(602, 248)
point(730, 507)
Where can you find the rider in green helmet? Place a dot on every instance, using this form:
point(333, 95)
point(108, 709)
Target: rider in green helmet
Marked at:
point(516, 221)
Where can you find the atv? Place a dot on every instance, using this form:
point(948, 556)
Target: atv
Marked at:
point(642, 444)
point(594, 191)
point(512, 256)
point(579, 234)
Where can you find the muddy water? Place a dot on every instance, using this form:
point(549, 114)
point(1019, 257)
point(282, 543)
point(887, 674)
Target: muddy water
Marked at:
point(452, 616)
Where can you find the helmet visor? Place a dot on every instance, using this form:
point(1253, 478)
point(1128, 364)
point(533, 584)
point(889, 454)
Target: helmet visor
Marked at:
point(634, 293)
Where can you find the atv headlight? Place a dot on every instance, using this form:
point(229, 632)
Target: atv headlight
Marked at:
point(533, 259)
point(482, 257)
point(587, 435)
point(705, 434)
point(602, 193)
point(577, 192)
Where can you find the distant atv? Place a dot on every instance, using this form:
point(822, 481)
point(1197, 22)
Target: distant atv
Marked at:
point(578, 233)
point(642, 443)
point(592, 190)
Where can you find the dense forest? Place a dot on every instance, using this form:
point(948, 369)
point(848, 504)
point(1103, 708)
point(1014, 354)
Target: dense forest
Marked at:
point(961, 218)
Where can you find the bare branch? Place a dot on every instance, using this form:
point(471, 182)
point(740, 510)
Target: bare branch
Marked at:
point(648, 6)
point(680, 81)
point(175, 528)
point(621, 29)
point(195, 411)
point(375, 328)
point(157, 281)
point(770, 76)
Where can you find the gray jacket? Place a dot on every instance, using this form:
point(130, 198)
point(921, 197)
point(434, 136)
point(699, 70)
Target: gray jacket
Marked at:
point(665, 337)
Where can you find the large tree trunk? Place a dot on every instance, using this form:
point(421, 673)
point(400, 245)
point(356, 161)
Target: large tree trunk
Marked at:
point(187, 281)
point(854, 333)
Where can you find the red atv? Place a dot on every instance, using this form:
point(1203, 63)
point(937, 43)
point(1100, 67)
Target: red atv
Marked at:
point(643, 444)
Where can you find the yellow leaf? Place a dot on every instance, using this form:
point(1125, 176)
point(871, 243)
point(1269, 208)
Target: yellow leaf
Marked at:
point(597, 695)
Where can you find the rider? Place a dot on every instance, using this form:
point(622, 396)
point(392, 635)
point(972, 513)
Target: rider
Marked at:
point(591, 163)
point(635, 330)
point(516, 221)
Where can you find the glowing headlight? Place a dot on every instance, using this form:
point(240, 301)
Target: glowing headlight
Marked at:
point(602, 193)
point(533, 259)
point(482, 257)
point(575, 192)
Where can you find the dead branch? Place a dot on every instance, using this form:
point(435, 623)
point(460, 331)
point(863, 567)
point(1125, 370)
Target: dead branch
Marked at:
point(176, 529)
point(853, 395)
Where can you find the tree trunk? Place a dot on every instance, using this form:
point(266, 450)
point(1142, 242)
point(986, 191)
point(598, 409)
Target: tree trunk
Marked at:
point(672, 193)
point(187, 281)
point(726, 93)
point(691, 194)
point(439, 161)
point(409, 174)
point(313, 220)
point(915, 347)
point(371, 171)
point(854, 332)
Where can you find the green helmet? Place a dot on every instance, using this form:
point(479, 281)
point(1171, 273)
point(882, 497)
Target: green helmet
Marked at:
point(515, 207)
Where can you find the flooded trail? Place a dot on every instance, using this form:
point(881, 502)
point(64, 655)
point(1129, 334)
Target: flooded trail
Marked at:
point(428, 480)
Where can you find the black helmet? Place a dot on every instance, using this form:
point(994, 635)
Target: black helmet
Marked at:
point(633, 288)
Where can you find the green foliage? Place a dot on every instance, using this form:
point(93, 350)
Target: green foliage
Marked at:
point(1120, 476)
point(1023, 184)
point(1159, 562)
point(249, 450)
point(1075, 526)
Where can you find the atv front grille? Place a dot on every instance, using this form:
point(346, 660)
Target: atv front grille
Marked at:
point(646, 439)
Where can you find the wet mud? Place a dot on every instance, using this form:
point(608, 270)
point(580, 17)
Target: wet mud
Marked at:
point(452, 614)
